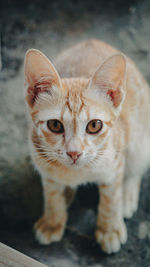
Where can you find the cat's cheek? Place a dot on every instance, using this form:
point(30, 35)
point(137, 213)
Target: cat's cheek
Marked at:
point(48, 137)
point(38, 130)
point(86, 158)
point(40, 126)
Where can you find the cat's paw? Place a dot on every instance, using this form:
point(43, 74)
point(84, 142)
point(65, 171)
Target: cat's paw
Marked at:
point(46, 233)
point(112, 240)
point(130, 203)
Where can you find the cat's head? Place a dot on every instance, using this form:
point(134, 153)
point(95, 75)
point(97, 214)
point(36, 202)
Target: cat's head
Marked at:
point(72, 118)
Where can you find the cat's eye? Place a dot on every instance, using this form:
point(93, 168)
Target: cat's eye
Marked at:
point(94, 127)
point(55, 126)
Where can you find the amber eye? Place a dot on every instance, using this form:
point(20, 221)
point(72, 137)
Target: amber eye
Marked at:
point(55, 126)
point(94, 126)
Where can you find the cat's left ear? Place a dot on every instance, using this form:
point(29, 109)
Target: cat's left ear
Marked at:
point(40, 75)
point(109, 80)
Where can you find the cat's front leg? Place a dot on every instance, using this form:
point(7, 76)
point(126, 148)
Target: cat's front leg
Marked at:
point(111, 229)
point(50, 227)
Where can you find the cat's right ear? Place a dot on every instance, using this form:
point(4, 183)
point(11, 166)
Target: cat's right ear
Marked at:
point(40, 75)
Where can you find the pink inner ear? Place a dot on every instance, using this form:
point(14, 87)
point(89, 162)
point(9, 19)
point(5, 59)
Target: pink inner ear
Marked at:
point(115, 96)
point(109, 78)
point(40, 75)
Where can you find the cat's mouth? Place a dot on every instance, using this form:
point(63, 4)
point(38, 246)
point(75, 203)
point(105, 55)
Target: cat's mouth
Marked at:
point(75, 164)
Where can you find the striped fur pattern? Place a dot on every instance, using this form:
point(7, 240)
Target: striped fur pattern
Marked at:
point(95, 82)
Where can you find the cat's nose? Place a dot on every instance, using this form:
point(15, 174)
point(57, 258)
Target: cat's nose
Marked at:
point(74, 155)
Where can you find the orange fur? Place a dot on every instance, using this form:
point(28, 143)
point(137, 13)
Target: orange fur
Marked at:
point(94, 82)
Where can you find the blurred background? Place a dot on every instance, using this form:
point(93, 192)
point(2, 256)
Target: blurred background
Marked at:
point(52, 26)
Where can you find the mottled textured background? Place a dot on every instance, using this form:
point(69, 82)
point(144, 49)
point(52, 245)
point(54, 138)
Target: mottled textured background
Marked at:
point(52, 26)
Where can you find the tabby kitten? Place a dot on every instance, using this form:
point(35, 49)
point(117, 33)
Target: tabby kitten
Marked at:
point(89, 123)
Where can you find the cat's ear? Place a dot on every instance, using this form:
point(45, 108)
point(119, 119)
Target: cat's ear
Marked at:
point(40, 75)
point(109, 79)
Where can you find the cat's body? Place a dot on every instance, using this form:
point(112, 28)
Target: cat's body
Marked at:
point(116, 99)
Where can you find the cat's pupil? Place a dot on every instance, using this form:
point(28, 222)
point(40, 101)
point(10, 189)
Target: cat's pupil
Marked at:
point(55, 124)
point(94, 124)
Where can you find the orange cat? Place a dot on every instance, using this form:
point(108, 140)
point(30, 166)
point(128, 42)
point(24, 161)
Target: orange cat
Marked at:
point(90, 123)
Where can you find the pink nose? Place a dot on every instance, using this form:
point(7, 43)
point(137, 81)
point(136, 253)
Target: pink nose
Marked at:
point(74, 155)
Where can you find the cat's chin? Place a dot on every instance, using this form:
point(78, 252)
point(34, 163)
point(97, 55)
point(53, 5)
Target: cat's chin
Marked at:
point(76, 165)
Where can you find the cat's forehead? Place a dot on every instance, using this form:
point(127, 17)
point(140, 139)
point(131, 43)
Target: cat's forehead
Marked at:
point(73, 108)
point(77, 98)
point(73, 90)
point(74, 84)
point(73, 103)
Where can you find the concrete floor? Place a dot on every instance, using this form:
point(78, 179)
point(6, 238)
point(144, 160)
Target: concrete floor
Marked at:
point(52, 26)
